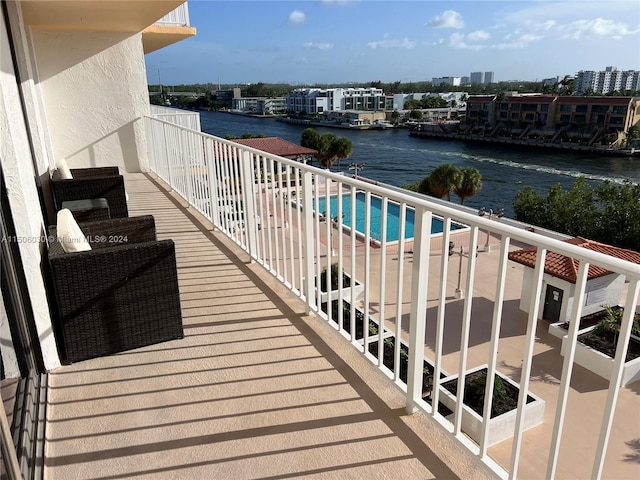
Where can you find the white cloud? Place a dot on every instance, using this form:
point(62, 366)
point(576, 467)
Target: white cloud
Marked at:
point(598, 27)
point(457, 40)
point(478, 35)
point(447, 19)
point(297, 17)
point(392, 43)
point(548, 25)
point(319, 45)
point(528, 38)
point(520, 42)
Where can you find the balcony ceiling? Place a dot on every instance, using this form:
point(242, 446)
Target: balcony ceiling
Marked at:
point(156, 37)
point(95, 15)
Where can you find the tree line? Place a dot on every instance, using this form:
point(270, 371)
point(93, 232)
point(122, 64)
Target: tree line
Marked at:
point(607, 212)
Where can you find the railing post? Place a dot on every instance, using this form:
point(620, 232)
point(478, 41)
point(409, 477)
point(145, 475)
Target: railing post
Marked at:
point(417, 318)
point(248, 197)
point(211, 159)
point(308, 239)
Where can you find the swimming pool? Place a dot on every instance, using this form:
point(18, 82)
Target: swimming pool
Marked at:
point(393, 217)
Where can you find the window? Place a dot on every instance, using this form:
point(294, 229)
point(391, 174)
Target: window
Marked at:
point(581, 108)
point(565, 108)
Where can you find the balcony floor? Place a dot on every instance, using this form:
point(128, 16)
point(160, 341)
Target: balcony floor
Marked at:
point(256, 389)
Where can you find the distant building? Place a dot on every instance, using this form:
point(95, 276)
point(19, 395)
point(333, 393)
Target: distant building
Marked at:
point(453, 81)
point(260, 105)
point(550, 82)
point(319, 101)
point(465, 80)
point(605, 81)
point(488, 78)
point(476, 77)
point(226, 95)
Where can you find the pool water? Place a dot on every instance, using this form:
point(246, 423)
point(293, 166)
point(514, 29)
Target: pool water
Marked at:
point(393, 217)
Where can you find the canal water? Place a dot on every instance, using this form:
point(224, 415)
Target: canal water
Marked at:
point(393, 157)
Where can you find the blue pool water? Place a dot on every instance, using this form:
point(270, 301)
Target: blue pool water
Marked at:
point(393, 217)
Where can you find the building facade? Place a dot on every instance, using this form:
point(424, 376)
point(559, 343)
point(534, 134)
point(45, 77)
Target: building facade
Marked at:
point(453, 81)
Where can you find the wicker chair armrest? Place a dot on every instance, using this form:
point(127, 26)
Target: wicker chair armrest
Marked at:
point(95, 172)
point(110, 233)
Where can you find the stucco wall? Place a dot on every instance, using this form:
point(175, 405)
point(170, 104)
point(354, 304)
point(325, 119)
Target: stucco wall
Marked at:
point(94, 92)
point(18, 172)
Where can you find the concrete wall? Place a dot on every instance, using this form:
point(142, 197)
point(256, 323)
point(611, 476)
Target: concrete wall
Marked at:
point(94, 93)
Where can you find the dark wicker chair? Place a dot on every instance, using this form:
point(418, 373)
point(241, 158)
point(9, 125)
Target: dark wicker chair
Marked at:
point(123, 294)
point(88, 183)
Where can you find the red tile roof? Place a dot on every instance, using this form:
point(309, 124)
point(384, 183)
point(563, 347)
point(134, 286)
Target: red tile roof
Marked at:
point(276, 146)
point(566, 268)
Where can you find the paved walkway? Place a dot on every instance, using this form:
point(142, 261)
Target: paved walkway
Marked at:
point(256, 389)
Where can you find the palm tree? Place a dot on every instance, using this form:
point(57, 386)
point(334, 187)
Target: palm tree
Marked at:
point(442, 181)
point(470, 184)
point(342, 148)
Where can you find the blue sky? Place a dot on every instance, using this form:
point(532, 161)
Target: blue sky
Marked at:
point(333, 41)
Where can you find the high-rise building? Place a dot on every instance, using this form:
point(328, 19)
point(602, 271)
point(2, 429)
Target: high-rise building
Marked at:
point(488, 77)
point(477, 77)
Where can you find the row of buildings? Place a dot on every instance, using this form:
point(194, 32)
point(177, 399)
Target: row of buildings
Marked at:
point(476, 78)
point(605, 81)
point(322, 101)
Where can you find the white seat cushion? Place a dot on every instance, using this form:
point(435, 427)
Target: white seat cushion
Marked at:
point(69, 234)
point(63, 169)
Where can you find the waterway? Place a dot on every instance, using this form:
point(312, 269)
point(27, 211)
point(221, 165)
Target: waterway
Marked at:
point(393, 157)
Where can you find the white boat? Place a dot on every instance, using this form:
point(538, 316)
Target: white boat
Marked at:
point(383, 124)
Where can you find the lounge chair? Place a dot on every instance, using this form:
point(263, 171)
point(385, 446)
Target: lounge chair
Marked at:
point(121, 294)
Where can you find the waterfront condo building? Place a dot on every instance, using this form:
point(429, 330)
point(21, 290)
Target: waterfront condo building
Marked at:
point(589, 117)
point(320, 100)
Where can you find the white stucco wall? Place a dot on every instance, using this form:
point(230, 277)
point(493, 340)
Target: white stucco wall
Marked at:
point(18, 171)
point(94, 90)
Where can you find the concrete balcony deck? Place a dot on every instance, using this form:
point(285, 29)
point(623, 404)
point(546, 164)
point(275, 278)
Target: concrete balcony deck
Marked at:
point(256, 389)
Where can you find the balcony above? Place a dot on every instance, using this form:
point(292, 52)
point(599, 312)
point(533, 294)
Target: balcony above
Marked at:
point(106, 16)
point(172, 28)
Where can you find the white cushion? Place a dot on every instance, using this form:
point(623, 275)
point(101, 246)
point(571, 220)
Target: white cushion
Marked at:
point(69, 234)
point(63, 169)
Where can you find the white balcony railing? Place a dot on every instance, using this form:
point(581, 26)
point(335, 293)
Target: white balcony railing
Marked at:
point(260, 201)
point(190, 120)
point(176, 18)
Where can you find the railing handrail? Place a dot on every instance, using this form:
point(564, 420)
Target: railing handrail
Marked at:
point(619, 265)
point(247, 195)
